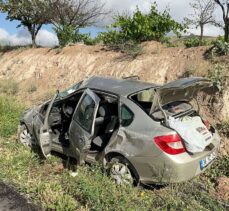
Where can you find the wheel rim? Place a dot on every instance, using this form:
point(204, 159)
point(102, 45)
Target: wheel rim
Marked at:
point(25, 138)
point(121, 174)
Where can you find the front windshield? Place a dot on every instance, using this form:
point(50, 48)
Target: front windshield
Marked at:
point(70, 90)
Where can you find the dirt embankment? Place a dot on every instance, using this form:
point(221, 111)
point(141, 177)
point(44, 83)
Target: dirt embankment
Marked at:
point(54, 68)
point(44, 70)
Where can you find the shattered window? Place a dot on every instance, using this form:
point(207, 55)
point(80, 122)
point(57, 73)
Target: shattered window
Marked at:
point(70, 90)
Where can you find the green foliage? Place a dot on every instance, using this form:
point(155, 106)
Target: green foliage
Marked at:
point(219, 38)
point(220, 48)
point(218, 75)
point(31, 14)
point(9, 86)
point(67, 34)
point(171, 44)
point(88, 40)
point(218, 169)
point(194, 42)
point(10, 111)
point(140, 27)
point(117, 42)
point(224, 128)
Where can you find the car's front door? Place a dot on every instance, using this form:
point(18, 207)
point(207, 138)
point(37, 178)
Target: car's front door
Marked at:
point(81, 130)
point(44, 131)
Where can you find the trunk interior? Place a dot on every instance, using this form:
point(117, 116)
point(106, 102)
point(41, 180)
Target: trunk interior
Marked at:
point(177, 109)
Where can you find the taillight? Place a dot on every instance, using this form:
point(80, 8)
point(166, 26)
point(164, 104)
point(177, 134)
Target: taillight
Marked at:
point(171, 144)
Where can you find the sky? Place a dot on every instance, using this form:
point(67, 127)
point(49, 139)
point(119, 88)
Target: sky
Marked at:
point(10, 34)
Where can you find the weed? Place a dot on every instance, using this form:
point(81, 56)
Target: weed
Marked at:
point(219, 48)
point(10, 111)
point(194, 42)
point(218, 169)
point(32, 88)
point(218, 75)
point(130, 48)
point(7, 48)
point(9, 87)
point(224, 128)
point(189, 71)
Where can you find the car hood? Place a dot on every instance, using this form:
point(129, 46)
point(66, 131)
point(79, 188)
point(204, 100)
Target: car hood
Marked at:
point(185, 89)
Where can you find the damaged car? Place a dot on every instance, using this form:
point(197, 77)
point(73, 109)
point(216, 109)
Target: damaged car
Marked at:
point(140, 132)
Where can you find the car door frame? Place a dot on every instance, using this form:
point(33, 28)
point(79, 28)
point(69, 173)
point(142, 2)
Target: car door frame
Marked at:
point(45, 141)
point(81, 154)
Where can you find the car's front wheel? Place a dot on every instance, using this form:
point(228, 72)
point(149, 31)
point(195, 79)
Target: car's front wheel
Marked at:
point(24, 136)
point(122, 172)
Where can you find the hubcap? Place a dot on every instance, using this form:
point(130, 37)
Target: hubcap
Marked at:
point(121, 174)
point(26, 138)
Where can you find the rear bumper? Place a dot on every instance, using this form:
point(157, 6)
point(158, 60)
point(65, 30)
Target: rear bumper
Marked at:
point(171, 168)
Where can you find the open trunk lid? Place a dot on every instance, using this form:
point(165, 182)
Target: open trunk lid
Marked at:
point(179, 92)
point(194, 133)
point(185, 89)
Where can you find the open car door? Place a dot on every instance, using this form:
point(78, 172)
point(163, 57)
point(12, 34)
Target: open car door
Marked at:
point(45, 137)
point(81, 130)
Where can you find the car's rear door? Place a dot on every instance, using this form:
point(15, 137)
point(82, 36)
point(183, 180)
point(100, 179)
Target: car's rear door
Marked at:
point(82, 126)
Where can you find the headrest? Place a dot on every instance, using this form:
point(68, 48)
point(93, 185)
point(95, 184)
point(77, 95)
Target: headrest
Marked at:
point(104, 110)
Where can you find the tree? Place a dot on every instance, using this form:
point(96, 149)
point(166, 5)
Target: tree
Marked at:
point(141, 27)
point(224, 5)
point(68, 16)
point(31, 13)
point(203, 14)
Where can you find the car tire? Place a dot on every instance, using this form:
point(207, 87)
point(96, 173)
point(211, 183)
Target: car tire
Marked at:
point(122, 172)
point(24, 136)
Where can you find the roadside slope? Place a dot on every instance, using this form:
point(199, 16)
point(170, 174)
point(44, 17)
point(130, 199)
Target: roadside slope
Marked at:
point(51, 69)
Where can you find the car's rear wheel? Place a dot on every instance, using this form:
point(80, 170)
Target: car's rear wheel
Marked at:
point(24, 136)
point(122, 172)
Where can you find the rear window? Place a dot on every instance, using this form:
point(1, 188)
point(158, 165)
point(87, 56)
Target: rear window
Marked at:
point(145, 99)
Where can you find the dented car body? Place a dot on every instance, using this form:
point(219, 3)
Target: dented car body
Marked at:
point(123, 125)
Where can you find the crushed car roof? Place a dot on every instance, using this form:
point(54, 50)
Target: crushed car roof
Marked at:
point(121, 87)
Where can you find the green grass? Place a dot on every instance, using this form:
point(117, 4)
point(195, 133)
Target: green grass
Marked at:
point(9, 87)
point(45, 183)
point(10, 111)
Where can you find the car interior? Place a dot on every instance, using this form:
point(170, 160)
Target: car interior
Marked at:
point(106, 121)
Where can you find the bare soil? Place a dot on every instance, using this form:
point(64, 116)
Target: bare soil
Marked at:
point(10, 200)
point(52, 69)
